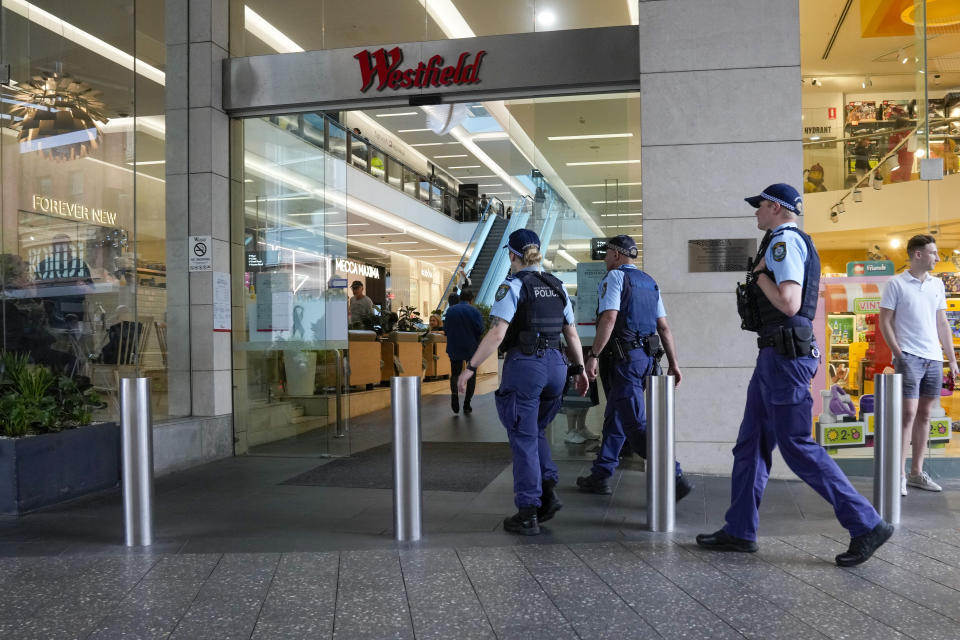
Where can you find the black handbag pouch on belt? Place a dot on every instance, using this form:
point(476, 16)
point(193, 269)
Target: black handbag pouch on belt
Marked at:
point(794, 342)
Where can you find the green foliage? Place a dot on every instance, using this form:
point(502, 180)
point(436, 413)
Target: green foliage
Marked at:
point(485, 312)
point(33, 400)
point(408, 319)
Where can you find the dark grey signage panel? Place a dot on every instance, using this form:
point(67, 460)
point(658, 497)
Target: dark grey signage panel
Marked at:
point(598, 248)
point(577, 61)
point(720, 254)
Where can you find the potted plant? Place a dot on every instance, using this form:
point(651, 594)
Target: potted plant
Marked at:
point(408, 320)
point(49, 450)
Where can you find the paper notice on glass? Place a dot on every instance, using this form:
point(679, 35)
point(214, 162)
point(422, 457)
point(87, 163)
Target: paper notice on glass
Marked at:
point(221, 301)
point(589, 275)
point(274, 302)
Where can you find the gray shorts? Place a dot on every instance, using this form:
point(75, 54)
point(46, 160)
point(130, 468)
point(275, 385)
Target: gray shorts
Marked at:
point(921, 377)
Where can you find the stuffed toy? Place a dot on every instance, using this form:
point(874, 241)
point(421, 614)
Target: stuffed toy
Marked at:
point(840, 402)
point(814, 181)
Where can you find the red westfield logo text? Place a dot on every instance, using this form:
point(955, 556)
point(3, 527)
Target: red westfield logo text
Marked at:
point(382, 67)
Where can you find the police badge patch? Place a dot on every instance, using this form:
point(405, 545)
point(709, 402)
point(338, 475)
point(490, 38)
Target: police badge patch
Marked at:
point(603, 290)
point(502, 292)
point(780, 251)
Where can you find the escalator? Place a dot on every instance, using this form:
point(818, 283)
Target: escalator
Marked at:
point(487, 252)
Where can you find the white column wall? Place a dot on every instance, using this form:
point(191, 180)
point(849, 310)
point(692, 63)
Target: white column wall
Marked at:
point(198, 198)
point(720, 109)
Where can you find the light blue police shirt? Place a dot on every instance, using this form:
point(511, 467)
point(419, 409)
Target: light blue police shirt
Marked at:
point(610, 288)
point(786, 255)
point(506, 306)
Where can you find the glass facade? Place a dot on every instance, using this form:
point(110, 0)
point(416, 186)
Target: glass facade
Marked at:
point(386, 199)
point(83, 151)
point(331, 24)
point(881, 104)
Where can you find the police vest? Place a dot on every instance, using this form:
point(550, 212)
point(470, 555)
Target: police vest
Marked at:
point(638, 306)
point(770, 316)
point(538, 320)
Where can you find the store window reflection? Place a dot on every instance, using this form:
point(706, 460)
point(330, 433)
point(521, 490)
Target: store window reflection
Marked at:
point(84, 245)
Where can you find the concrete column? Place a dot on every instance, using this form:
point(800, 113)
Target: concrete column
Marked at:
point(198, 202)
point(720, 120)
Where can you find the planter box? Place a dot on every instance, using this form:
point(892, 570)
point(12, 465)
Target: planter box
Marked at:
point(37, 471)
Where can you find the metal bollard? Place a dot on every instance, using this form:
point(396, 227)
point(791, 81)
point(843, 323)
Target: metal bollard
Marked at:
point(407, 494)
point(661, 470)
point(887, 439)
point(137, 460)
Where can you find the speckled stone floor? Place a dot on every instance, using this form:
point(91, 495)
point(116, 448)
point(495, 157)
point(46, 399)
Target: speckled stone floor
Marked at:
point(239, 555)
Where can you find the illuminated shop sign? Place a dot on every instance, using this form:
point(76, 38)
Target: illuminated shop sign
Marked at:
point(343, 265)
point(75, 210)
point(383, 67)
point(426, 272)
point(871, 268)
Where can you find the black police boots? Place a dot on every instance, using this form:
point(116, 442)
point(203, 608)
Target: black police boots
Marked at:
point(862, 547)
point(594, 484)
point(549, 501)
point(682, 488)
point(723, 541)
point(523, 522)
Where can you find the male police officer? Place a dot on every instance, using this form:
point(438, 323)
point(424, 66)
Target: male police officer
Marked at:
point(630, 317)
point(784, 287)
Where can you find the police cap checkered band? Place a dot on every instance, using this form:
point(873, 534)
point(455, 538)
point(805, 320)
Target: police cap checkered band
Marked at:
point(783, 194)
point(623, 244)
point(520, 240)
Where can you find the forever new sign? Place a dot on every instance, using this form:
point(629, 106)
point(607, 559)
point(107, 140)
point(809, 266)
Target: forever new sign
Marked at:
point(383, 66)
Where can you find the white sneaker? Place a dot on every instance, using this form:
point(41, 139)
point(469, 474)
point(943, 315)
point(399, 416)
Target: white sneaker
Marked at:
point(574, 437)
point(903, 485)
point(923, 481)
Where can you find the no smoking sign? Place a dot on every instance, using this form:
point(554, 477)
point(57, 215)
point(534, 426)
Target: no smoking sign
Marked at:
point(200, 253)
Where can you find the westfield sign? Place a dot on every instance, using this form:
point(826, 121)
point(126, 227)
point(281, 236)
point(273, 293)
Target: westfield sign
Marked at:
point(383, 67)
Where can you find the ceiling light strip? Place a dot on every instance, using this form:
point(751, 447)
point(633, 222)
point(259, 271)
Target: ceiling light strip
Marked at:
point(598, 162)
point(595, 136)
point(269, 34)
point(88, 41)
point(448, 18)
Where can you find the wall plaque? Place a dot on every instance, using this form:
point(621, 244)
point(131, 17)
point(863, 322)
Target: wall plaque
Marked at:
point(720, 254)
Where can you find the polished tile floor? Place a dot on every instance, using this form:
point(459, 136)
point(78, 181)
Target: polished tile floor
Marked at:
point(238, 555)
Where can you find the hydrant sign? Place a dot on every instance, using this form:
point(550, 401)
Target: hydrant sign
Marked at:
point(200, 253)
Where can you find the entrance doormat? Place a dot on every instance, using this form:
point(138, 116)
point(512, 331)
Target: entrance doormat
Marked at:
point(444, 466)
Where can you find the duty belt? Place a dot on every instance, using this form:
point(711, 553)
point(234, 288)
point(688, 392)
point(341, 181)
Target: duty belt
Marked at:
point(768, 341)
point(548, 343)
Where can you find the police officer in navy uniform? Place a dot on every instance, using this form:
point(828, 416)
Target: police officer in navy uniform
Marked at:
point(631, 327)
point(784, 287)
point(527, 320)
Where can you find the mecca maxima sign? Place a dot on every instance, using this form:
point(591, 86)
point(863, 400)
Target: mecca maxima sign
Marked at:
point(493, 67)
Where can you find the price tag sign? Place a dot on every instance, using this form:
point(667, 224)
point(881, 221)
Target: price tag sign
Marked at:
point(939, 429)
point(842, 434)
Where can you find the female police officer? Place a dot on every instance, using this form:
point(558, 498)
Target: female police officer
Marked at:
point(530, 313)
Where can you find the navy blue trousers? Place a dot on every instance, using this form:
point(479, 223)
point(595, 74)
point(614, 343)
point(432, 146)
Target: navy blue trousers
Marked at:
point(625, 417)
point(527, 401)
point(778, 413)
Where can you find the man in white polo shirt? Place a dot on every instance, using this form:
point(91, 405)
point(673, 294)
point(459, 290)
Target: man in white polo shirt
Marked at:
point(913, 321)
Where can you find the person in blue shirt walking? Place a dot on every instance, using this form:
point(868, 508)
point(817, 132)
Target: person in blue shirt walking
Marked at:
point(631, 328)
point(781, 302)
point(530, 313)
point(463, 325)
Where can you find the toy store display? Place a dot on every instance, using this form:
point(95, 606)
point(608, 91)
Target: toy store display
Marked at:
point(837, 425)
